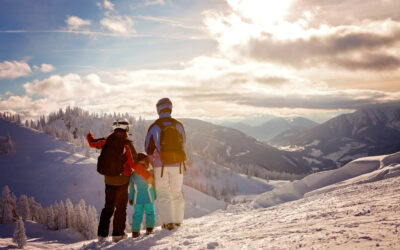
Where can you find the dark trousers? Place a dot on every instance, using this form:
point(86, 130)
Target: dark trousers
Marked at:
point(116, 199)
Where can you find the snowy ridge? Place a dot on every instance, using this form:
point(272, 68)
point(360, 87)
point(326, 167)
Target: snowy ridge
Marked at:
point(297, 189)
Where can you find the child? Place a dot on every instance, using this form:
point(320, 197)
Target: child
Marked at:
point(142, 196)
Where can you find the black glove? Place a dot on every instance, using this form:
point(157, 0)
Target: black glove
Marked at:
point(131, 202)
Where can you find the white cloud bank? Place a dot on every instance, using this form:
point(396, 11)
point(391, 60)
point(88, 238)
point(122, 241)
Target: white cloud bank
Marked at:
point(14, 69)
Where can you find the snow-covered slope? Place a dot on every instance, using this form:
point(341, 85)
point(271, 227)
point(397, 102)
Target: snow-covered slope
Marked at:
point(297, 189)
point(359, 213)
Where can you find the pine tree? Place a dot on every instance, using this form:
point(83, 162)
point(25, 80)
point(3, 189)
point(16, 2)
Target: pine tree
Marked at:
point(70, 214)
point(23, 207)
point(62, 217)
point(19, 236)
point(7, 207)
point(50, 218)
point(93, 223)
point(55, 213)
point(82, 220)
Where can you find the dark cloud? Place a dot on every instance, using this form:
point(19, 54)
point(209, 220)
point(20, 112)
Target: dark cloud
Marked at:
point(319, 49)
point(369, 62)
point(275, 80)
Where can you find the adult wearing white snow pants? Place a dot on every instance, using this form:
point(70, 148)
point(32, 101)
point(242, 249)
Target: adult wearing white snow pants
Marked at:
point(168, 178)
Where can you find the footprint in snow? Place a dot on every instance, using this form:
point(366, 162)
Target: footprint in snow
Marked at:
point(212, 245)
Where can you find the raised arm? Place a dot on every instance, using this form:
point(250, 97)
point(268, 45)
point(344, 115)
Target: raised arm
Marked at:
point(95, 143)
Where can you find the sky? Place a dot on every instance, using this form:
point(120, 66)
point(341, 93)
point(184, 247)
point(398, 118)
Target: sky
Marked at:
point(220, 60)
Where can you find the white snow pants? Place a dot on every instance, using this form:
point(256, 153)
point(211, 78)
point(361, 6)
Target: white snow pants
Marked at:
point(170, 202)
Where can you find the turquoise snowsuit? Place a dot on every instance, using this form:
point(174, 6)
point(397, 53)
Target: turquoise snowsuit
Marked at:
point(142, 195)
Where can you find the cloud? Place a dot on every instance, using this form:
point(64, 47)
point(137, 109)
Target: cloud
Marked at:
point(108, 5)
point(75, 23)
point(46, 68)
point(118, 24)
point(154, 2)
point(303, 52)
point(244, 33)
point(14, 69)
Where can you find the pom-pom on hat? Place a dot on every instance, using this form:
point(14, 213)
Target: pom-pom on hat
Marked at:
point(164, 105)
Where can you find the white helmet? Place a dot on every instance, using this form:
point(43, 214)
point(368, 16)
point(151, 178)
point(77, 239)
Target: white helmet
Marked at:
point(121, 124)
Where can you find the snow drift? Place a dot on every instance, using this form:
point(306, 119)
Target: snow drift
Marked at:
point(297, 189)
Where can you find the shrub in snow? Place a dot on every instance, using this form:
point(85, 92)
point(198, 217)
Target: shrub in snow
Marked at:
point(19, 235)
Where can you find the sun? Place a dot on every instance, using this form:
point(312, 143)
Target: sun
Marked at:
point(262, 12)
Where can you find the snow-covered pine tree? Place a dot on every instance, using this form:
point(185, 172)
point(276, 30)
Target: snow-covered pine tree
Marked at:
point(70, 213)
point(55, 213)
point(7, 208)
point(62, 217)
point(50, 218)
point(19, 235)
point(93, 223)
point(23, 207)
point(82, 221)
point(39, 215)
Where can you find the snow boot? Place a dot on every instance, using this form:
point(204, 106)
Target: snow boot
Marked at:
point(168, 226)
point(135, 234)
point(101, 239)
point(149, 230)
point(118, 238)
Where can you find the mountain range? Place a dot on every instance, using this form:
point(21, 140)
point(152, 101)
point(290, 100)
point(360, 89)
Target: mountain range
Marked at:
point(274, 127)
point(366, 132)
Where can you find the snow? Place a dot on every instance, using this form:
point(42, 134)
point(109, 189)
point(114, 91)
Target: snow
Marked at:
point(316, 152)
point(291, 148)
point(335, 156)
point(296, 190)
point(311, 160)
point(39, 237)
point(313, 143)
point(356, 216)
point(228, 151)
point(242, 153)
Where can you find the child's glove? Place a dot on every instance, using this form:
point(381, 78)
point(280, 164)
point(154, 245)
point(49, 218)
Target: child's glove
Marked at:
point(131, 202)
